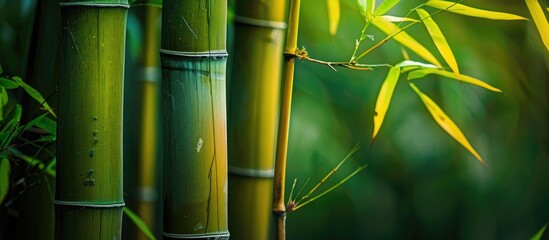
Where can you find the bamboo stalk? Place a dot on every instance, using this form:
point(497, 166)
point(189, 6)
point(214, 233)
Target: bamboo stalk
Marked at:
point(37, 218)
point(193, 60)
point(279, 209)
point(149, 87)
point(253, 113)
point(88, 198)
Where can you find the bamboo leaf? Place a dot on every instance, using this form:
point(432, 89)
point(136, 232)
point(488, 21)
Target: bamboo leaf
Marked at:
point(366, 7)
point(540, 20)
point(397, 19)
point(384, 98)
point(537, 236)
point(333, 15)
point(47, 124)
point(385, 6)
point(464, 78)
point(405, 40)
point(34, 94)
point(370, 6)
point(408, 65)
point(4, 177)
point(139, 223)
point(1, 70)
point(8, 83)
point(4, 97)
point(446, 123)
point(470, 11)
point(439, 40)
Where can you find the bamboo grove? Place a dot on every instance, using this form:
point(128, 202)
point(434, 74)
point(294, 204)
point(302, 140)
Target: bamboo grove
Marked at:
point(224, 150)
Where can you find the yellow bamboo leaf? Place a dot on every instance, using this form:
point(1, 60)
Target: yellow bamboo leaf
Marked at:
point(446, 123)
point(384, 98)
point(404, 39)
point(333, 15)
point(439, 40)
point(385, 6)
point(540, 20)
point(415, 74)
point(397, 19)
point(470, 11)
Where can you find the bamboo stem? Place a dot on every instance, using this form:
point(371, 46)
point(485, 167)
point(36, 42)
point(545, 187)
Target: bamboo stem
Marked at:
point(150, 77)
point(89, 198)
point(253, 115)
point(193, 60)
point(279, 209)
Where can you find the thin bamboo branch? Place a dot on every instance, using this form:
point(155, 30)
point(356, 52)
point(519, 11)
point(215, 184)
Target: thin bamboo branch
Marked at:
point(279, 209)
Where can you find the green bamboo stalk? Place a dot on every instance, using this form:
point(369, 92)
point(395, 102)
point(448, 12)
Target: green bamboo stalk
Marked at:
point(88, 198)
point(37, 218)
point(193, 60)
point(279, 209)
point(253, 115)
point(149, 87)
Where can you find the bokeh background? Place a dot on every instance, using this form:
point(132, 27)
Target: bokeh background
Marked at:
point(419, 183)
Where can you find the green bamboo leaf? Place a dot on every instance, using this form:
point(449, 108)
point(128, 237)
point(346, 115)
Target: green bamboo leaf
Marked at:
point(47, 124)
point(439, 40)
point(540, 20)
point(464, 78)
point(34, 94)
point(404, 39)
point(397, 19)
point(366, 7)
point(8, 83)
point(538, 235)
point(139, 223)
point(333, 15)
point(385, 6)
point(384, 98)
point(4, 97)
point(4, 177)
point(10, 126)
point(446, 123)
point(470, 11)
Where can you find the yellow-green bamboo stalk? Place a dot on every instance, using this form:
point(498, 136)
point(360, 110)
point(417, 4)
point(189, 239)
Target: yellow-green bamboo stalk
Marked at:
point(88, 198)
point(253, 115)
point(149, 84)
point(279, 209)
point(193, 60)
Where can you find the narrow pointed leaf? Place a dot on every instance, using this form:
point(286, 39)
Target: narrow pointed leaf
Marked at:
point(539, 234)
point(464, 78)
point(4, 177)
point(385, 6)
point(34, 94)
point(397, 19)
point(408, 65)
point(384, 98)
point(405, 40)
point(139, 223)
point(362, 7)
point(333, 15)
point(473, 12)
point(446, 123)
point(540, 20)
point(439, 40)
point(8, 83)
point(370, 6)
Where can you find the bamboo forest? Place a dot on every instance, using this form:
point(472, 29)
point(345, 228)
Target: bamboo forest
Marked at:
point(274, 119)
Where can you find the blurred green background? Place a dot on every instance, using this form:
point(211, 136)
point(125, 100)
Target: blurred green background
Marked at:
point(419, 183)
